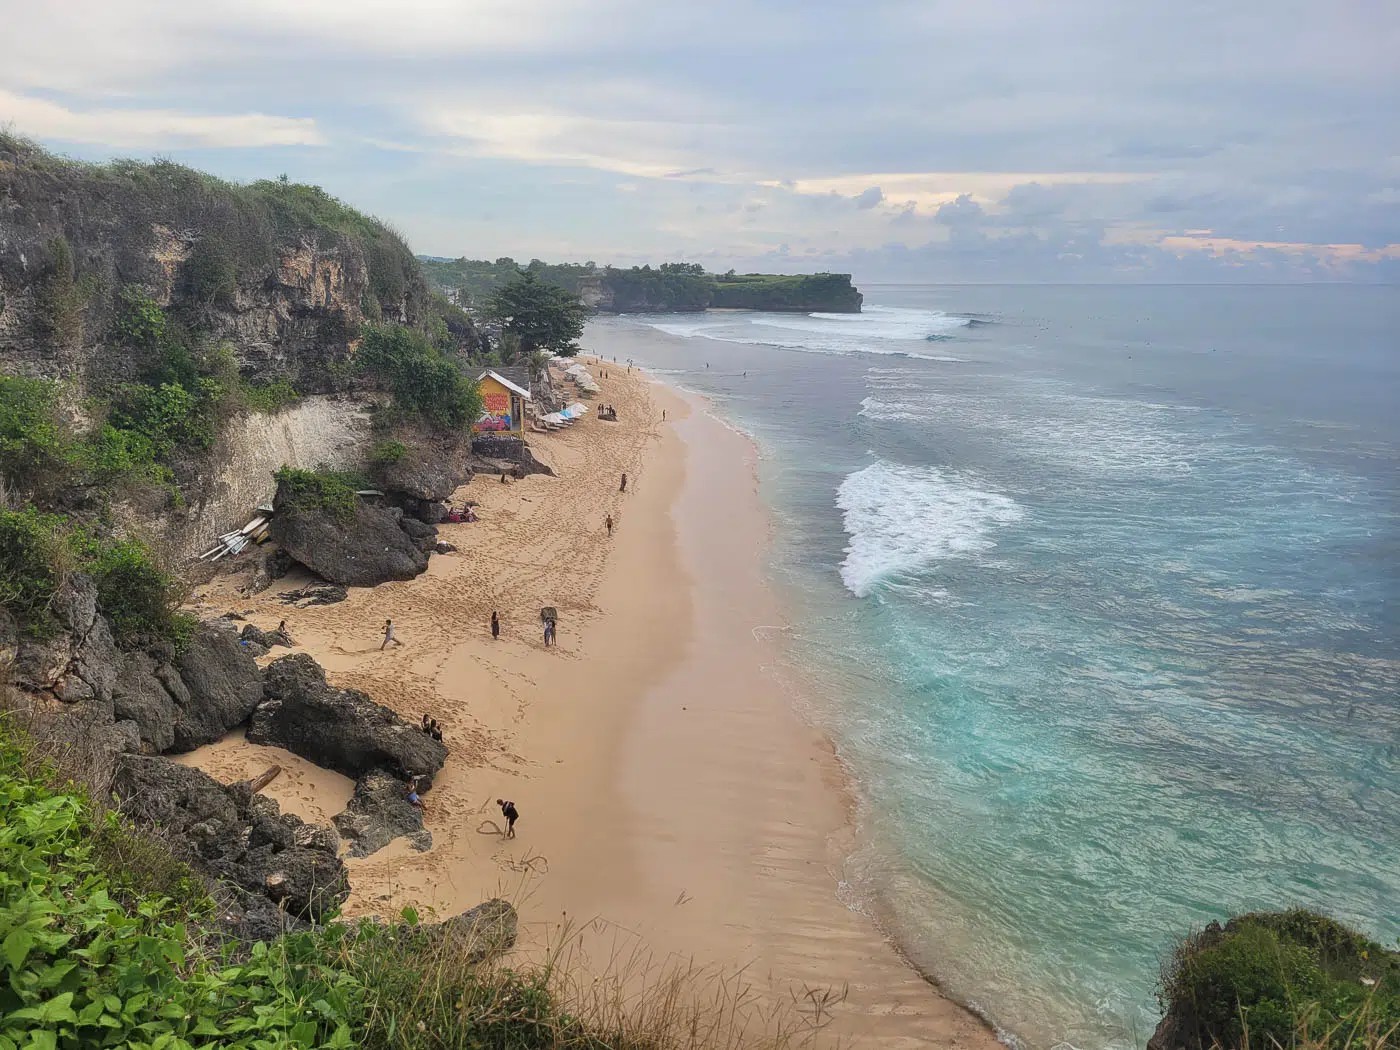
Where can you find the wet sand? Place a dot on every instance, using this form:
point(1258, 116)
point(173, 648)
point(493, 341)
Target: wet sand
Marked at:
point(672, 802)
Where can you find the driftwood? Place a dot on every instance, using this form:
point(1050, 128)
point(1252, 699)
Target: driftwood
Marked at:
point(263, 779)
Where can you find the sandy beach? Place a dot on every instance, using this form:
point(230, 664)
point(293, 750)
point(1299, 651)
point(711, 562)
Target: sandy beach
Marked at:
point(672, 802)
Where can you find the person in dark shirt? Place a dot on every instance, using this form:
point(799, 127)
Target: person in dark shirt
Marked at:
point(495, 624)
point(511, 814)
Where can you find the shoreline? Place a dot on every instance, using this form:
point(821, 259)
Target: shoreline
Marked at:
point(665, 781)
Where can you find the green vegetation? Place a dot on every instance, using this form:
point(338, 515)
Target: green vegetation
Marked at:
point(34, 442)
point(316, 490)
point(1283, 979)
point(824, 292)
point(38, 552)
point(269, 395)
point(668, 287)
point(239, 229)
point(672, 286)
point(105, 941)
point(424, 380)
point(473, 282)
point(387, 453)
point(542, 316)
point(60, 305)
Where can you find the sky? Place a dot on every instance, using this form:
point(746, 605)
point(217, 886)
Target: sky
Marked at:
point(980, 140)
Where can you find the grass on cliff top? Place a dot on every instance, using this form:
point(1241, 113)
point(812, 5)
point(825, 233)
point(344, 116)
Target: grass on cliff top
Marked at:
point(239, 227)
point(104, 942)
point(1285, 979)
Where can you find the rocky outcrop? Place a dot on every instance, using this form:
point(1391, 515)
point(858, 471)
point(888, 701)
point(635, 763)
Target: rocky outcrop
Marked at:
point(378, 813)
point(223, 685)
point(235, 834)
point(313, 594)
point(340, 729)
point(365, 548)
point(506, 448)
point(428, 470)
point(479, 933)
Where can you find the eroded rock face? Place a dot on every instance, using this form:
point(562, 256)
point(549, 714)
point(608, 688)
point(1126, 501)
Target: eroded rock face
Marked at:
point(234, 834)
point(340, 729)
point(429, 472)
point(380, 812)
point(223, 685)
point(367, 549)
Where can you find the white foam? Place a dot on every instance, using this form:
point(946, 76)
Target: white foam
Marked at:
point(879, 330)
point(901, 519)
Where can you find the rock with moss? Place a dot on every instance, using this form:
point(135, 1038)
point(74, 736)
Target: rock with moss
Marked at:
point(356, 545)
point(1280, 977)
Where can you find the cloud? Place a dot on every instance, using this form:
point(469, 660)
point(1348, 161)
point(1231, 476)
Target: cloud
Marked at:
point(869, 198)
point(155, 128)
point(1019, 135)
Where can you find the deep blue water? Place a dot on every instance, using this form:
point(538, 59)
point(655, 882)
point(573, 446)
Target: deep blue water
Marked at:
point(1100, 590)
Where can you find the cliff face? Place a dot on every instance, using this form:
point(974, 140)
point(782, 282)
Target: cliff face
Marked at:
point(283, 273)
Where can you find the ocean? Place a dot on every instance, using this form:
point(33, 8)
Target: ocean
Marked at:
point(1097, 591)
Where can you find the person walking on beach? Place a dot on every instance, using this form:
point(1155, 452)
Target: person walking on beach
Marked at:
point(495, 624)
point(389, 635)
point(624, 484)
point(511, 814)
point(609, 524)
point(663, 415)
point(548, 633)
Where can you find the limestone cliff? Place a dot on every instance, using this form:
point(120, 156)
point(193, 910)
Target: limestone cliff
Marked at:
point(283, 273)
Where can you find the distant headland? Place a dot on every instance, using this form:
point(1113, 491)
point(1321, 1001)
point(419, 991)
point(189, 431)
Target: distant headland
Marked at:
point(668, 288)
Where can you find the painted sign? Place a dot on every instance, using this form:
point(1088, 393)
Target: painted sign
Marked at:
point(496, 414)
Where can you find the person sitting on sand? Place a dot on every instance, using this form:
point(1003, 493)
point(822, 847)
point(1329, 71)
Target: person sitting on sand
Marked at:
point(389, 635)
point(435, 730)
point(503, 477)
point(427, 727)
point(511, 814)
point(413, 799)
point(495, 624)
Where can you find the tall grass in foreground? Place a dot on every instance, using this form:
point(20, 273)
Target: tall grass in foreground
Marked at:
point(107, 939)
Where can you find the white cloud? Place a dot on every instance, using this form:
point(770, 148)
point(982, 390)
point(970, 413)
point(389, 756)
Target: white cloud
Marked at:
point(154, 128)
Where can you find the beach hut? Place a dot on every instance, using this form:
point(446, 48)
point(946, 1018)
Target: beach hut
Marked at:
point(503, 400)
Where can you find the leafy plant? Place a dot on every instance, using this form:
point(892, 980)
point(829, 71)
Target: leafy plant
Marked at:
point(542, 315)
point(389, 452)
point(271, 395)
point(316, 490)
point(1270, 977)
point(421, 377)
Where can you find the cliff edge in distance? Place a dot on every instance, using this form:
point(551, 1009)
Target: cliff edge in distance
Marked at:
point(669, 288)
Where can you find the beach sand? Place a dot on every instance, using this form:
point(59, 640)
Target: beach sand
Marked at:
point(672, 802)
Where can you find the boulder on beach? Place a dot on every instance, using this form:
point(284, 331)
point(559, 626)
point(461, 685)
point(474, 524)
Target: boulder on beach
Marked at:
point(222, 683)
point(427, 470)
point(361, 548)
point(339, 729)
point(378, 813)
point(234, 834)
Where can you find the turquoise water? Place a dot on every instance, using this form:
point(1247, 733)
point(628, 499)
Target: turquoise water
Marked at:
point(1100, 588)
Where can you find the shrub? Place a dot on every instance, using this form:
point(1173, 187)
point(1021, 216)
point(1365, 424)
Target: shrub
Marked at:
point(270, 395)
point(422, 379)
point(316, 490)
point(138, 596)
point(34, 443)
point(389, 452)
point(1271, 977)
point(34, 560)
point(211, 271)
point(170, 416)
point(60, 316)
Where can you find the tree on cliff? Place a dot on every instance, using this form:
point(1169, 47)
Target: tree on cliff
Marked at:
point(543, 316)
